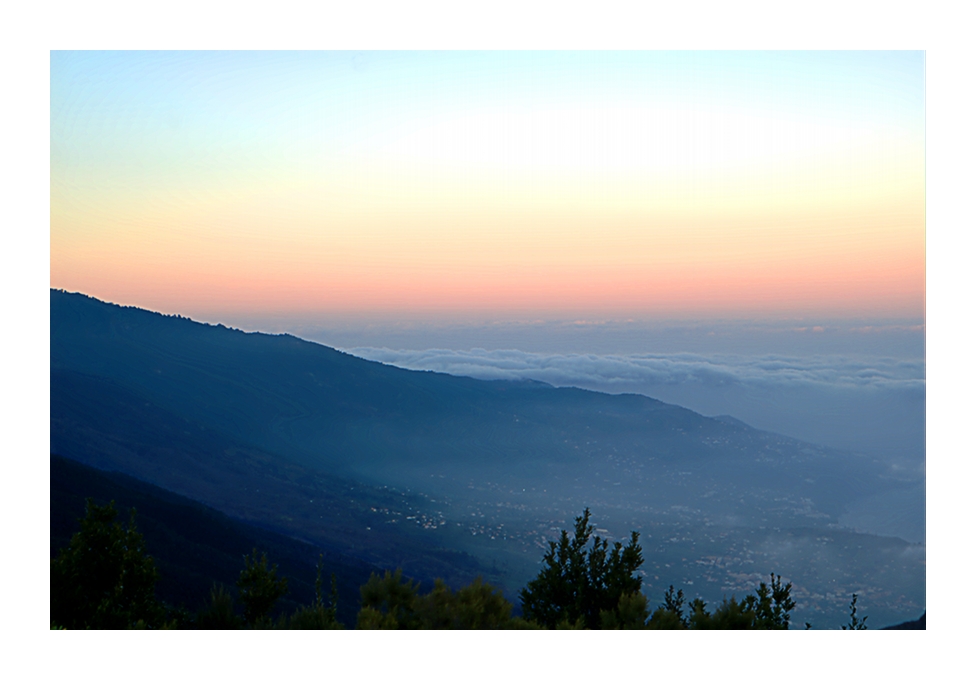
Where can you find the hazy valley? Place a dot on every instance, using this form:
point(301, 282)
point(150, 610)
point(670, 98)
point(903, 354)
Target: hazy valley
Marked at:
point(451, 477)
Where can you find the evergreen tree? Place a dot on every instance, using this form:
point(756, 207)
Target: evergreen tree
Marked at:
point(629, 614)
point(104, 579)
point(576, 586)
point(317, 616)
point(773, 604)
point(671, 615)
point(219, 613)
point(857, 623)
point(259, 588)
point(768, 609)
point(388, 602)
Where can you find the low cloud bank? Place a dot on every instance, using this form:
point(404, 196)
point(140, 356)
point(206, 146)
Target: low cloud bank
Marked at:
point(875, 404)
point(642, 370)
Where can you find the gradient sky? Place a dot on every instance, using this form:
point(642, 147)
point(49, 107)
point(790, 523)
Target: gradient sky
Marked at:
point(551, 185)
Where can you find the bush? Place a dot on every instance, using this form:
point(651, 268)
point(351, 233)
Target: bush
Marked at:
point(392, 603)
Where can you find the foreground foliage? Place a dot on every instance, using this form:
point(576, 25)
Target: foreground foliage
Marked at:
point(857, 623)
point(104, 579)
point(259, 588)
point(392, 603)
point(577, 586)
point(768, 609)
point(600, 588)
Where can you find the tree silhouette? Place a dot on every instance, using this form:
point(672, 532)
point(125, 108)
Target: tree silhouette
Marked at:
point(577, 586)
point(768, 609)
point(392, 603)
point(259, 587)
point(857, 623)
point(104, 579)
point(219, 612)
point(317, 616)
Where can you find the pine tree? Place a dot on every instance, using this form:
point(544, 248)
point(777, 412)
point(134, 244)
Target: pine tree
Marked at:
point(317, 616)
point(104, 578)
point(857, 623)
point(259, 588)
point(575, 585)
point(219, 613)
point(768, 609)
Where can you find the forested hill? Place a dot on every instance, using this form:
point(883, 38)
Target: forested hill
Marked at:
point(451, 476)
point(334, 412)
point(303, 399)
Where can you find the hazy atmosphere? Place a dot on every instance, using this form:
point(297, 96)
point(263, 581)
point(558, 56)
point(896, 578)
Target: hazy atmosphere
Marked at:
point(738, 237)
point(743, 232)
point(503, 185)
point(876, 403)
point(740, 208)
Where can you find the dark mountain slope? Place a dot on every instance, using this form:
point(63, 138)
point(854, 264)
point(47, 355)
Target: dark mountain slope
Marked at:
point(918, 624)
point(448, 476)
point(99, 423)
point(335, 413)
point(194, 546)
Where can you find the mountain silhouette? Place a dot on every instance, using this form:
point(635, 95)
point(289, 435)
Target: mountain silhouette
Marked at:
point(440, 475)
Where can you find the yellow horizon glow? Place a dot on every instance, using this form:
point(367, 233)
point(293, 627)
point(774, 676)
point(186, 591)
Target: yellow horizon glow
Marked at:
point(553, 207)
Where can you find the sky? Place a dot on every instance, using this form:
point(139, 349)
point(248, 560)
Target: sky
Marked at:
point(739, 233)
point(32, 264)
point(491, 187)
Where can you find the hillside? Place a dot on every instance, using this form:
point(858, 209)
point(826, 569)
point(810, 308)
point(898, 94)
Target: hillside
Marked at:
point(450, 476)
point(332, 412)
point(194, 546)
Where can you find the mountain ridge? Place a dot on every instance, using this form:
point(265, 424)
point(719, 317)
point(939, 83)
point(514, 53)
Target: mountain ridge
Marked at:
point(441, 473)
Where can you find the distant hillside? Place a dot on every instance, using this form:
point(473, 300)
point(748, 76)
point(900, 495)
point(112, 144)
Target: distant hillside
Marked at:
point(95, 421)
point(339, 414)
point(732, 421)
point(454, 477)
point(918, 624)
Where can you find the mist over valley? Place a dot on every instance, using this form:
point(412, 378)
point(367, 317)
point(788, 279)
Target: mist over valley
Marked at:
point(451, 476)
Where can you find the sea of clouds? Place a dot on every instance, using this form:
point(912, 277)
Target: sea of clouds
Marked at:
point(871, 404)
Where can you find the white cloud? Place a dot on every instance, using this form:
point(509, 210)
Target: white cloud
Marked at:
point(641, 370)
point(874, 404)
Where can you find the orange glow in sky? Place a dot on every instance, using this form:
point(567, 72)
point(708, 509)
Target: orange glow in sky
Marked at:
point(296, 183)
